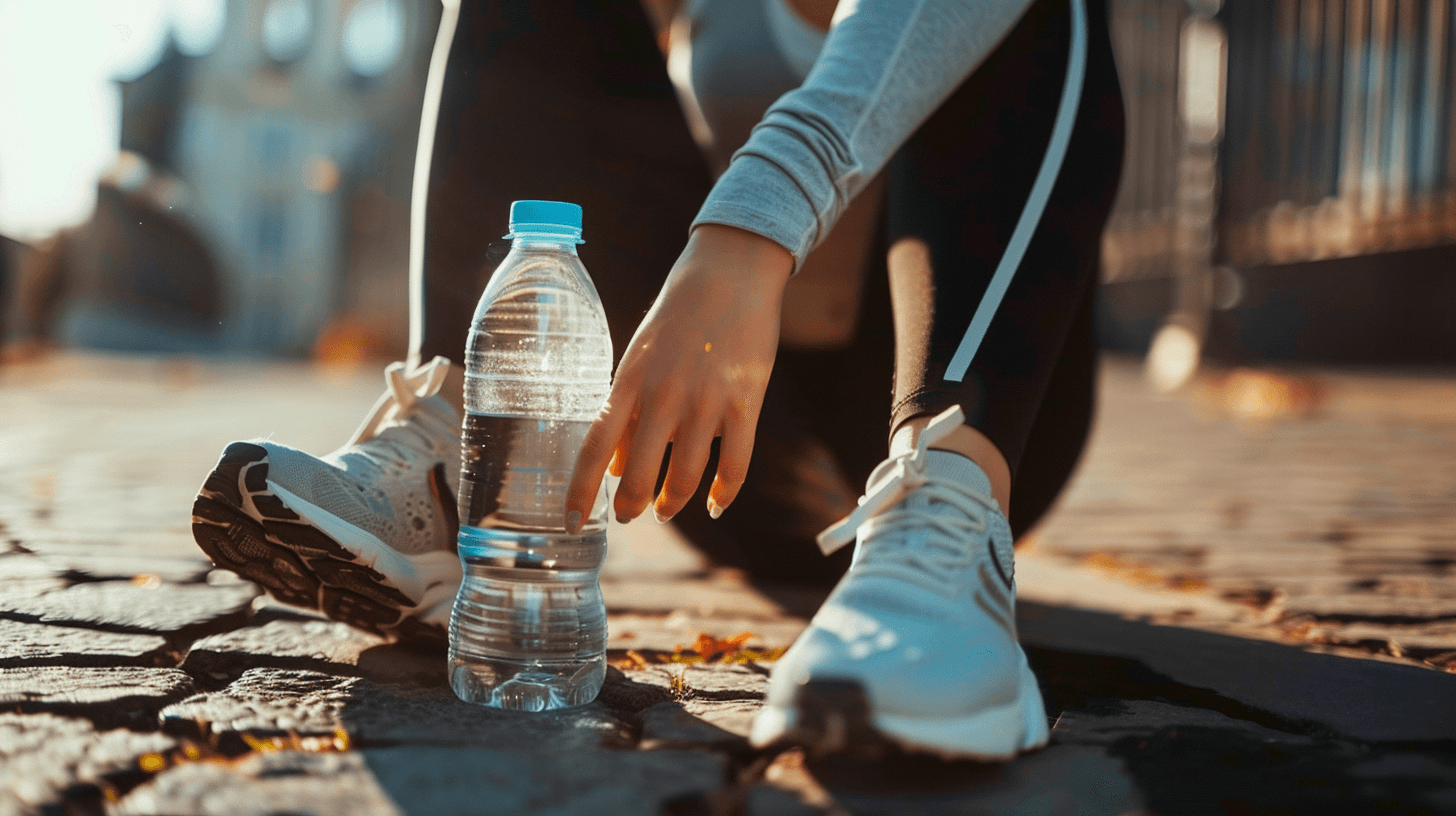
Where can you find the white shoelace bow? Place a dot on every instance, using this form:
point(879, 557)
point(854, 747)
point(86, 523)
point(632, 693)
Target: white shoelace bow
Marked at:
point(907, 474)
point(403, 399)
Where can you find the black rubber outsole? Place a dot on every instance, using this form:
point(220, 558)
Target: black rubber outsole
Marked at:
point(291, 559)
point(834, 719)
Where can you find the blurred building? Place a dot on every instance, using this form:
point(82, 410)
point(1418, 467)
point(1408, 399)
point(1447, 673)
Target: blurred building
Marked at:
point(296, 139)
point(261, 198)
point(134, 277)
point(261, 195)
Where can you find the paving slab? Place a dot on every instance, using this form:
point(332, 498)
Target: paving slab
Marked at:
point(702, 705)
point(39, 644)
point(1062, 780)
point(676, 630)
point(1195, 760)
point(313, 645)
point(769, 800)
point(23, 574)
point(127, 606)
point(435, 781)
point(1372, 607)
point(110, 449)
point(1435, 639)
point(699, 724)
point(319, 784)
point(31, 587)
point(1335, 510)
point(19, 564)
point(51, 764)
point(267, 702)
point(629, 697)
point(713, 681)
point(108, 697)
point(84, 560)
point(1142, 718)
point(1172, 609)
point(1360, 698)
point(1196, 769)
point(789, 788)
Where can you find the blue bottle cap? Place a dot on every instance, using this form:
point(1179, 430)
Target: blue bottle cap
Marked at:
point(555, 218)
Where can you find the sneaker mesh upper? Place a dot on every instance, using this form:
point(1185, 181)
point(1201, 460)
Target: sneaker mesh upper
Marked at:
point(378, 485)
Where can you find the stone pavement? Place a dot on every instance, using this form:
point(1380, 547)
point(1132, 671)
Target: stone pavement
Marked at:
point(1246, 604)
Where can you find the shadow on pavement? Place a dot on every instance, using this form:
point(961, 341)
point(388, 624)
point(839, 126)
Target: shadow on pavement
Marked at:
point(1172, 720)
point(1147, 719)
point(1362, 699)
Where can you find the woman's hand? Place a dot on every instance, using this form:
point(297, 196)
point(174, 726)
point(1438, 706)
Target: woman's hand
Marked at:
point(696, 368)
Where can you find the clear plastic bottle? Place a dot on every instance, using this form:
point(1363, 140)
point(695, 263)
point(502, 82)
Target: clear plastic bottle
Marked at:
point(529, 626)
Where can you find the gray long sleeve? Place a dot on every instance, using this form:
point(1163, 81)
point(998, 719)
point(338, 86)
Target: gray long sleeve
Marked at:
point(885, 67)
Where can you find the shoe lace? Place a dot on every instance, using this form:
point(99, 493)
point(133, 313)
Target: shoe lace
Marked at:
point(404, 400)
point(942, 547)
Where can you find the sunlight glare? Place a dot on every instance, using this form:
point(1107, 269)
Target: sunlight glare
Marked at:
point(61, 124)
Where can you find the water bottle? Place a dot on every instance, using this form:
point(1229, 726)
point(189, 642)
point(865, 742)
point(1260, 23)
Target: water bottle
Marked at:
point(529, 627)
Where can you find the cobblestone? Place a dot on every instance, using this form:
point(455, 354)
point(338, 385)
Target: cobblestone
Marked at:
point(271, 702)
point(109, 697)
point(1337, 511)
point(145, 606)
point(49, 762)
point(1229, 598)
point(27, 644)
point(312, 645)
point(441, 782)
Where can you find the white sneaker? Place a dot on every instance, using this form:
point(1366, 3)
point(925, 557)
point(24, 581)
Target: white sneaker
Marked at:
point(917, 643)
point(365, 534)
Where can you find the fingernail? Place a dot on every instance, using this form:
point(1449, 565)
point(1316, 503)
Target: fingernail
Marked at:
point(714, 509)
point(657, 514)
point(573, 521)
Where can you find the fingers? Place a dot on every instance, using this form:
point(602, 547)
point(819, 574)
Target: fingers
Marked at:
point(733, 454)
point(691, 447)
point(619, 456)
point(598, 447)
point(655, 428)
point(632, 442)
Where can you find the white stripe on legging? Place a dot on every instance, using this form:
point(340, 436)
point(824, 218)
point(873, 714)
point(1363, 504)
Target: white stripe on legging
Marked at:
point(1041, 190)
point(420, 191)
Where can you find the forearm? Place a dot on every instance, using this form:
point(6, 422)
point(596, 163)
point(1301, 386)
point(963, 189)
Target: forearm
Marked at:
point(886, 66)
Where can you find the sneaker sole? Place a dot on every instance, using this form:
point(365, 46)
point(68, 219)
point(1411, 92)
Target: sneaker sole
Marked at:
point(244, 526)
point(835, 716)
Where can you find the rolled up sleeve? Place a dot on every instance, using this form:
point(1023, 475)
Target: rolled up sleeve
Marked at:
point(884, 69)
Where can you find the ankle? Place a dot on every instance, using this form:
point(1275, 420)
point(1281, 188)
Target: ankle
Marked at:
point(967, 442)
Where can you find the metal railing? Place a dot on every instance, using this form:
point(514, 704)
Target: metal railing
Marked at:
point(1336, 136)
point(1140, 237)
point(1340, 128)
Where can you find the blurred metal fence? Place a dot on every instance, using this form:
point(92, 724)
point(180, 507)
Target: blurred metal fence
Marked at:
point(1139, 240)
point(1334, 135)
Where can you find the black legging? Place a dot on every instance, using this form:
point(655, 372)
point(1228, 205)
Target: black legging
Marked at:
point(570, 101)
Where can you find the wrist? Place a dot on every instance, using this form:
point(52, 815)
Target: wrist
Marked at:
point(746, 253)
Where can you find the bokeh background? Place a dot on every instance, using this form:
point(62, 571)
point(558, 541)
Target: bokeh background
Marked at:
point(214, 177)
point(231, 178)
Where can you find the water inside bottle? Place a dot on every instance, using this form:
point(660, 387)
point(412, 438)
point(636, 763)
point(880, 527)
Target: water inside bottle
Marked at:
point(528, 630)
point(515, 471)
point(528, 627)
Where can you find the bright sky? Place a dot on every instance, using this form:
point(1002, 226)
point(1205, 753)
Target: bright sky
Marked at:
point(59, 103)
point(60, 106)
